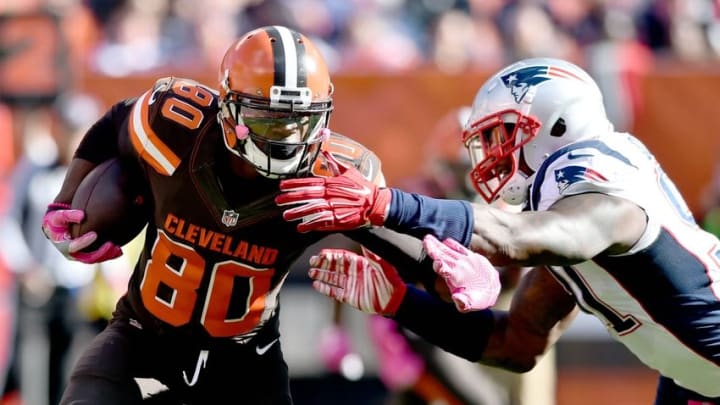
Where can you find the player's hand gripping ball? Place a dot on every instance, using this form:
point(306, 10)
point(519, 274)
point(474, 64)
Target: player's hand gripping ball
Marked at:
point(115, 206)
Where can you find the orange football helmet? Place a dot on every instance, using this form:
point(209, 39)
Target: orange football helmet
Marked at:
point(275, 100)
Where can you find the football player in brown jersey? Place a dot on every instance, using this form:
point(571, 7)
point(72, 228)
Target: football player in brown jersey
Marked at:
point(201, 311)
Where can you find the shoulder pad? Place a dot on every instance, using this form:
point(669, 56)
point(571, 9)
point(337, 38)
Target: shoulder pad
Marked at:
point(165, 121)
point(351, 153)
point(588, 167)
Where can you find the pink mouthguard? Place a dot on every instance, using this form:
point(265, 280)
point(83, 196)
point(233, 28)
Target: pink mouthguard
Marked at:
point(241, 132)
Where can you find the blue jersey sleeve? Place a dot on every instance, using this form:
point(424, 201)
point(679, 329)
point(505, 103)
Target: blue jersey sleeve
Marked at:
point(419, 215)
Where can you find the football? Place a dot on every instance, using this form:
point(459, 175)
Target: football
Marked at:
point(115, 206)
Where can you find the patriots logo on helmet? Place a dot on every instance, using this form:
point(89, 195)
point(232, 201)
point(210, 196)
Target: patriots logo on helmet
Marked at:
point(574, 174)
point(522, 80)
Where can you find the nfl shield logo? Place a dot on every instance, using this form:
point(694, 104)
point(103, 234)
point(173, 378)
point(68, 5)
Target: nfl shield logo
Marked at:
point(230, 218)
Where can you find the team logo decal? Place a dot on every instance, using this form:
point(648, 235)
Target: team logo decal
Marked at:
point(230, 218)
point(522, 80)
point(574, 174)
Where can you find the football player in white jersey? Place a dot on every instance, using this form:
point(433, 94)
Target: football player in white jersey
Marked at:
point(613, 235)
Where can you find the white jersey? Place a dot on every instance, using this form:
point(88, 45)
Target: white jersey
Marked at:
point(661, 299)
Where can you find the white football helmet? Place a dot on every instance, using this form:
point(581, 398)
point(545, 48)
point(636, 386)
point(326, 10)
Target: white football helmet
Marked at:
point(524, 113)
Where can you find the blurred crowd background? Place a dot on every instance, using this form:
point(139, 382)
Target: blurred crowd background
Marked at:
point(62, 62)
point(120, 37)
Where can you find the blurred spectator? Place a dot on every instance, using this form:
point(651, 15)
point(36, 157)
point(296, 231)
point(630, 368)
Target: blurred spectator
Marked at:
point(534, 33)
point(380, 43)
point(618, 62)
point(695, 29)
point(9, 388)
point(80, 29)
point(69, 297)
point(387, 35)
point(215, 23)
point(33, 61)
point(461, 42)
point(133, 41)
point(34, 72)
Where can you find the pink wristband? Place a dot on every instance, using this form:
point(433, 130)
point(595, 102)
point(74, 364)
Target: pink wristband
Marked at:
point(58, 206)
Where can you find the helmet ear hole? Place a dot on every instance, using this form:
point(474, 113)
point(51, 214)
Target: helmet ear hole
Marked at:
point(559, 128)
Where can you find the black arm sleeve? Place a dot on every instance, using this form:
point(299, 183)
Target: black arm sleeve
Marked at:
point(404, 252)
point(465, 335)
point(101, 142)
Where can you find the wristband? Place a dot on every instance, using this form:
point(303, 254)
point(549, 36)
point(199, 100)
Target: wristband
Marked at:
point(54, 206)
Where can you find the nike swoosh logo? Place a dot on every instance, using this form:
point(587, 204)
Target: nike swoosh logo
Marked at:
point(572, 155)
point(260, 350)
point(362, 191)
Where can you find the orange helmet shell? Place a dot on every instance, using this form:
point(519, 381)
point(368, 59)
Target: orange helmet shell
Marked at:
point(276, 63)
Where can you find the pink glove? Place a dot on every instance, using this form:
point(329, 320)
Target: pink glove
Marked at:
point(399, 367)
point(106, 251)
point(473, 281)
point(372, 286)
point(335, 344)
point(344, 202)
point(56, 227)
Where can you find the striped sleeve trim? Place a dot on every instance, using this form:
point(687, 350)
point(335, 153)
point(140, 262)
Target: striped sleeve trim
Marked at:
point(146, 142)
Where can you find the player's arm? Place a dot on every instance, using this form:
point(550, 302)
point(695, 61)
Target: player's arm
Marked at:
point(541, 310)
point(514, 340)
point(99, 144)
point(76, 172)
point(574, 229)
point(405, 252)
point(135, 130)
point(350, 201)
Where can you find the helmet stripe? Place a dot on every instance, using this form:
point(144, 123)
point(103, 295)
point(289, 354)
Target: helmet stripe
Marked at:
point(285, 53)
point(558, 72)
point(299, 56)
point(278, 54)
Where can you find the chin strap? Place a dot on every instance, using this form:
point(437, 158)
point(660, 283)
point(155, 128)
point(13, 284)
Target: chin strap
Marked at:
point(515, 192)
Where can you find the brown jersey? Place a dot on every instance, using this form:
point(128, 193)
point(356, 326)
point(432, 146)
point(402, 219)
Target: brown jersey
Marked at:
point(217, 249)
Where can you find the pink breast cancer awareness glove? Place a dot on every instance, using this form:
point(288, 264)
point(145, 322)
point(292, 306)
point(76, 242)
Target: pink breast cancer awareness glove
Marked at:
point(342, 202)
point(399, 367)
point(334, 345)
point(473, 281)
point(56, 227)
point(106, 251)
point(371, 286)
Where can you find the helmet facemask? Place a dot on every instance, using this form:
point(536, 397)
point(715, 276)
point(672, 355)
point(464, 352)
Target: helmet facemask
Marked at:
point(278, 142)
point(495, 143)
